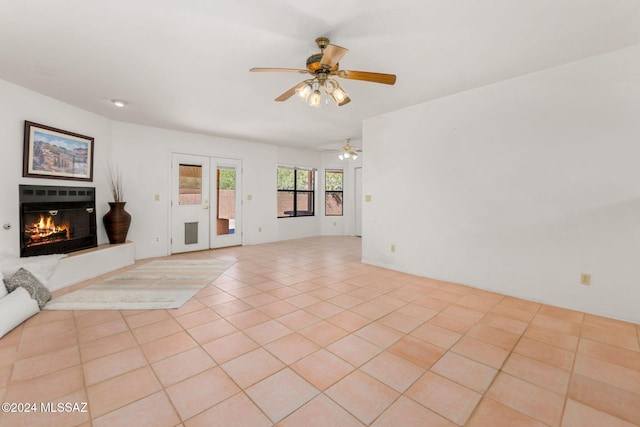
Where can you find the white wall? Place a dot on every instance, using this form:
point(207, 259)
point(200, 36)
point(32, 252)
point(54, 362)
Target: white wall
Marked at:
point(143, 154)
point(17, 105)
point(516, 187)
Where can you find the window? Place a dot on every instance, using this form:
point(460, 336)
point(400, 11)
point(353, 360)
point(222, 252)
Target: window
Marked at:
point(295, 192)
point(190, 185)
point(333, 192)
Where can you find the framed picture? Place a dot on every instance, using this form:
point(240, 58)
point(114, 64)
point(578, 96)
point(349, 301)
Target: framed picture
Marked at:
point(56, 153)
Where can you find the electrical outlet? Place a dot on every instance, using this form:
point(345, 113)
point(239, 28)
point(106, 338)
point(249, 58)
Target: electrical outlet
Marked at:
point(157, 239)
point(393, 248)
point(367, 197)
point(585, 279)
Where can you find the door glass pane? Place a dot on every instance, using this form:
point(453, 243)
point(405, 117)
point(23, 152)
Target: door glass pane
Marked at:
point(226, 198)
point(190, 186)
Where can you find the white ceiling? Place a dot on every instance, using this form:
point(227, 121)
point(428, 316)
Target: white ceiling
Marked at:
point(185, 64)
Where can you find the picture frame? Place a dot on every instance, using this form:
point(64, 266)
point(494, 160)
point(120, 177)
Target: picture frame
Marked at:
point(57, 154)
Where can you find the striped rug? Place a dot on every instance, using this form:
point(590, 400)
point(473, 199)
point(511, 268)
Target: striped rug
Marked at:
point(160, 284)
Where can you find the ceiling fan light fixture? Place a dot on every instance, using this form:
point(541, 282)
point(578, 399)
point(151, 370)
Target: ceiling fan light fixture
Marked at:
point(305, 91)
point(314, 98)
point(339, 95)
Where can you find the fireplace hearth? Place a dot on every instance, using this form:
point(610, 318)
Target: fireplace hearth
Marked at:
point(56, 220)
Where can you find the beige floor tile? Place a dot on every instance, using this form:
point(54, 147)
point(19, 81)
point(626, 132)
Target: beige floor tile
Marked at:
point(297, 320)
point(117, 392)
point(291, 348)
point(400, 322)
point(157, 330)
point(349, 321)
point(208, 332)
point(480, 351)
point(407, 413)
point(469, 373)
point(182, 366)
point(447, 398)
point(608, 373)
point(619, 338)
point(452, 323)
point(168, 346)
point(605, 398)
point(238, 410)
point(393, 371)
point(323, 333)
point(532, 400)
point(362, 395)
point(379, 334)
point(281, 394)
point(153, 410)
point(247, 319)
point(354, 350)
point(436, 335)
point(42, 364)
point(198, 393)
point(230, 346)
point(552, 337)
point(107, 345)
point(115, 364)
point(493, 414)
point(616, 355)
point(545, 353)
point(494, 336)
point(322, 369)
point(196, 318)
point(578, 415)
point(320, 412)
point(539, 373)
point(417, 351)
point(252, 367)
point(267, 332)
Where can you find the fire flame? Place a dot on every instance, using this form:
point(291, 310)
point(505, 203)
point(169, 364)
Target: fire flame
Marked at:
point(45, 228)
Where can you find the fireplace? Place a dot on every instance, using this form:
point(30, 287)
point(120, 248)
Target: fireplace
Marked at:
point(56, 220)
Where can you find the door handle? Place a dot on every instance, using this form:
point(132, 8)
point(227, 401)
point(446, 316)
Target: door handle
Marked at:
point(206, 207)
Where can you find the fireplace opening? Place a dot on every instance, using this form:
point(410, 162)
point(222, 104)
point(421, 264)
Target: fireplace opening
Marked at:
point(56, 220)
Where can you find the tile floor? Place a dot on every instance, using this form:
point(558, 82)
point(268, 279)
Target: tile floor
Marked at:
point(300, 333)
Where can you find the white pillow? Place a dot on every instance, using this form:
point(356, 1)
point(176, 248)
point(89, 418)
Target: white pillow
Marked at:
point(15, 308)
point(3, 288)
point(42, 266)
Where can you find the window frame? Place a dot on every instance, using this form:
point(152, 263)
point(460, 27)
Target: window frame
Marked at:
point(327, 191)
point(295, 191)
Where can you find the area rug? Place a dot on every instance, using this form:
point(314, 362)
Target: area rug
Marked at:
point(160, 284)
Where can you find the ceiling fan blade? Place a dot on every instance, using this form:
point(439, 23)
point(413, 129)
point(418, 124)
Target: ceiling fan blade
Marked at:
point(387, 79)
point(278, 70)
point(288, 94)
point(332, 55)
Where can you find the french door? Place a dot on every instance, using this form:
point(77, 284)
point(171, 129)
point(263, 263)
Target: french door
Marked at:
point(206, 208)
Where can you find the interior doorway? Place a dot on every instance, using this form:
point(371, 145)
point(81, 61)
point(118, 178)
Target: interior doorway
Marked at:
point(358, 201)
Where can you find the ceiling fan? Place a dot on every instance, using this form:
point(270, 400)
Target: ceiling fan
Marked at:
point(348, 151)
point(324, 67)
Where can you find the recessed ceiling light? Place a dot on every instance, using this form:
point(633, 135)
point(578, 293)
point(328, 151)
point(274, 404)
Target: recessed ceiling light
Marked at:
point(118, 103)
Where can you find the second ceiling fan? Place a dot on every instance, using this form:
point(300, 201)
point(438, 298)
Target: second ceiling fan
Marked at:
point(324, 68)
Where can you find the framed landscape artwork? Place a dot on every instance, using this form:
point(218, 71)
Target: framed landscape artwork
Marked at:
point(55, 153)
